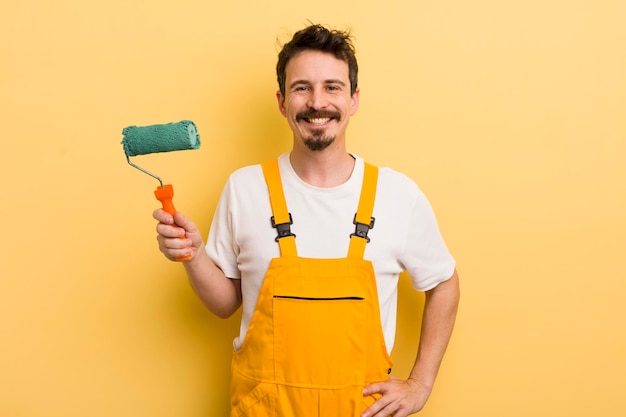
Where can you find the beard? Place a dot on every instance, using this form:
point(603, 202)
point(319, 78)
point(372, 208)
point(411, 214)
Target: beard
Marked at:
point(316, 141)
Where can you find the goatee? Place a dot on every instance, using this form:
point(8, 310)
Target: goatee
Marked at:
point(318, 142)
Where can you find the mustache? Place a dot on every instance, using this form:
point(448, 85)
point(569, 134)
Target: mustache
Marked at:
point(317, 114)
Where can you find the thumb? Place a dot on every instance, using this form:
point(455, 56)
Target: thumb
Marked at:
point(375, 388)
point(191, 230)
point(183, 221)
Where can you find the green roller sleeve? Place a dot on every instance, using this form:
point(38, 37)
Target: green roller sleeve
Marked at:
point(141, 140)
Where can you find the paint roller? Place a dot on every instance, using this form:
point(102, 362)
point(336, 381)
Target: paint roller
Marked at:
point(142, 140)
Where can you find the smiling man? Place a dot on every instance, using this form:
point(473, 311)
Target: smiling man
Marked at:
point(317, 100)
point(311, 246)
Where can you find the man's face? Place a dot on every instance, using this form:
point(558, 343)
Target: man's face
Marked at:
point(317, 101)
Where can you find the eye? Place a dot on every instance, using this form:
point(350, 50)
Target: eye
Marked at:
point(333, 88)
point(300, 88)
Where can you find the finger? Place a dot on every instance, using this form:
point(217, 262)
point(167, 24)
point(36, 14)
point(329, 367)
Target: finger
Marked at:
point(174, 248)
point(380, 408)
point(178, 255)
point(169, 231)
point(175, 242)
point(375, 388)
point(162, 216)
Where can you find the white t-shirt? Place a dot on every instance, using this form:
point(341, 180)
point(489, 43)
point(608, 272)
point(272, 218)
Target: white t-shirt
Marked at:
point(405, 234)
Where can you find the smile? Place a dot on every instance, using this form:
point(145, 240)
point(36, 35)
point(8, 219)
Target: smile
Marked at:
point(319, 121)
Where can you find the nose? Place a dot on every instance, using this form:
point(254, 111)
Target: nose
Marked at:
point(317, 99)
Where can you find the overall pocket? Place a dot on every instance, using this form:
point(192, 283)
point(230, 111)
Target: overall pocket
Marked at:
point(259, 402)
point(320, 341)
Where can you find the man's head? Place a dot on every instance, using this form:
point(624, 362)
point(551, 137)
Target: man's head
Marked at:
point(319, 38)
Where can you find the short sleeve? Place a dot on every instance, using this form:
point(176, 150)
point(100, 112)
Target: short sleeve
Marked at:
point(425, 256)
point(221, 246)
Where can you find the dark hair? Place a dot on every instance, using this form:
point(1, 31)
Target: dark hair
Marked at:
point(318, 38)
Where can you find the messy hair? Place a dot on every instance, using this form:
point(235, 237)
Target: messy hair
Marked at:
point(318, 38)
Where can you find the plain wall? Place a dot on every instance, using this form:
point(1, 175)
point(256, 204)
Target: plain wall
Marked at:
point(508, 114)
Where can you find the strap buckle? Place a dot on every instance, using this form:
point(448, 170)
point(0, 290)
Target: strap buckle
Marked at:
point(283, 229)
point(362, 229)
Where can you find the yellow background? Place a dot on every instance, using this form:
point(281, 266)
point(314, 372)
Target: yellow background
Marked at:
point(509, 114)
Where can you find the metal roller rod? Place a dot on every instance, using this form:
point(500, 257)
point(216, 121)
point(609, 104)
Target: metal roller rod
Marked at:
point(144, 170)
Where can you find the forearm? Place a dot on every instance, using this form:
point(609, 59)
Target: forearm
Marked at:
point(403, 397)
point(220, 294)
point(438, 321)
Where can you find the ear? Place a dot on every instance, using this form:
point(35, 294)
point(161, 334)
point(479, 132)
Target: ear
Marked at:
point(281, 103)
point(354, 102)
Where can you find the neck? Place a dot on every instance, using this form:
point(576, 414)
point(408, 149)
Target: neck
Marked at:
point(325, 169)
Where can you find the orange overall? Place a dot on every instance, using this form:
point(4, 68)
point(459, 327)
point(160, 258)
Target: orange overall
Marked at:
point(315, 338)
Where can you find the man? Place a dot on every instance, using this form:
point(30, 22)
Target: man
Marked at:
point(311, 245)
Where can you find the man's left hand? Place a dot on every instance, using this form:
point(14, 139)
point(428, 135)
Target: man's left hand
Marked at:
point(399, 398)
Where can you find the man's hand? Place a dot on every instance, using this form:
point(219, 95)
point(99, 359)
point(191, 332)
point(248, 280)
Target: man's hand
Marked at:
point(178, 236)
point(399, 398)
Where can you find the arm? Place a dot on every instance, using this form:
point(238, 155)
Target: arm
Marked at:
point(220, 294)
point(402, 398)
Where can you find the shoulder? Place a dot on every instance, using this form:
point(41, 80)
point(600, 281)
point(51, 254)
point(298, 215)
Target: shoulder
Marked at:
point(391, 176)
point(243, 185)
point(388, 178)
point(397, 186)
point(246, 173)
point(254, 173)
point(246, 180)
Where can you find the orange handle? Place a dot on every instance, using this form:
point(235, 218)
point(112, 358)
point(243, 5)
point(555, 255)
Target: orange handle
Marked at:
point(165, 196)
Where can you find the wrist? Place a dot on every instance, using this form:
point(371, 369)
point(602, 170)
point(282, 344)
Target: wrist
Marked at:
point(197, 255)
point(421, 384)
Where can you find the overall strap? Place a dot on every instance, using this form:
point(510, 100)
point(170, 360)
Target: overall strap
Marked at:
point(363, 218)
point(281, 219)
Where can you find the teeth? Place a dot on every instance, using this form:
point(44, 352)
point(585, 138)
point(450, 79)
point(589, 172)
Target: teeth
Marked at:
point(319, 121)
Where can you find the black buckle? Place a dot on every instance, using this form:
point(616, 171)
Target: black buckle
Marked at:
point(283, 229)
point(362, 228)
